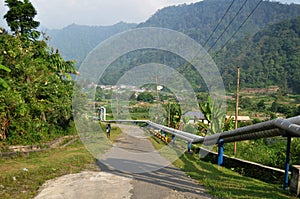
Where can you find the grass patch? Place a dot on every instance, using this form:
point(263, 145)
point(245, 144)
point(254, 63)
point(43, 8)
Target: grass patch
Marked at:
point(168, 152)
point(41, 166)
point(156, 142)
point(225, 183)
point(21, 176)
point(115, 132)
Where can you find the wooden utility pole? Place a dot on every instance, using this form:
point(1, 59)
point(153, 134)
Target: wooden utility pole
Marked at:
point(236, 105)
point(169, 114)
point(117, 104)
point(157, 98)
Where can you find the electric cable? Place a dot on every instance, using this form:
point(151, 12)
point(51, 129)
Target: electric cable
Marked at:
point(238, 12)
point(242, 24)
point(211, 34)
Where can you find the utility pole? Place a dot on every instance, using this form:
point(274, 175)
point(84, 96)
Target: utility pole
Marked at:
point(157, 98)
point(169, 113)
point(236, 105)
point(117, 104)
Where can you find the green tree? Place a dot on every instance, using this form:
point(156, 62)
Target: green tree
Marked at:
point(274, 107)
point(261, 105)
point(145, 97)
point(174, 114)
point(20, 18)
point(246, 102)
point(37, 105)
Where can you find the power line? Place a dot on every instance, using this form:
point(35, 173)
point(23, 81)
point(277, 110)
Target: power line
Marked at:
point(211, 34)
point(242, 23)
point(238, 12)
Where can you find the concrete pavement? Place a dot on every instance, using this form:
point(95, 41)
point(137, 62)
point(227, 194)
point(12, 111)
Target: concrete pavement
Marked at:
point(158, 181)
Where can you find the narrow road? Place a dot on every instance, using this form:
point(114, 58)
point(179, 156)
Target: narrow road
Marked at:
point(121, 175)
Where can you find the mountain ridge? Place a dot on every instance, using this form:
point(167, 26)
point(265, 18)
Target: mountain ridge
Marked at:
point(207, 14)
point(190, 20)
point(76, 41)
point(197, 20)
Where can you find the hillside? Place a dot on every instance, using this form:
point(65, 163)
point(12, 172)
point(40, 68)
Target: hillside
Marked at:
point(266, 57)
point(76, 41)
point(198, 20)
point(269, 57)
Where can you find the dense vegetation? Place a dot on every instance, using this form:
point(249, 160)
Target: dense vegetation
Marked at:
point(270, 57)
point(36, 88)
point(198, 20)
point(267, 55)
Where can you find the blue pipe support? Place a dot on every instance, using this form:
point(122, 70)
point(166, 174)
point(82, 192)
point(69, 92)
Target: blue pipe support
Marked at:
point(220, 152)
point(189, 147)
point(287, 163)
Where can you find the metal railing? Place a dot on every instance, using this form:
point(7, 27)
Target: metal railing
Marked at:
point(279, 127)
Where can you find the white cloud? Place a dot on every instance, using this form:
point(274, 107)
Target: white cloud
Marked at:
point(60, 13)
point(57, 13)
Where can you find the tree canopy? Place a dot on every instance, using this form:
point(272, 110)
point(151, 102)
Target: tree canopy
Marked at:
point(270, 57)
point(199, 20)
point(20, 18)
point(35, 85)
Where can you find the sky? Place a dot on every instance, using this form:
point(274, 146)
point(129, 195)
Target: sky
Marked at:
point(56, 14)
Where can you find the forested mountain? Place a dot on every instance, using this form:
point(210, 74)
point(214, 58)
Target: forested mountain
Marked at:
point(269, 57)
point(76, 41)
point(198, 20)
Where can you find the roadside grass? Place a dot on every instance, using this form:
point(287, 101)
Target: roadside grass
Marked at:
point(115, 131)
point(22, 176)
point(224, 183)
point(18, 182)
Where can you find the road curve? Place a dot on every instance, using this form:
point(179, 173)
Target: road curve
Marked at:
point(167, 182)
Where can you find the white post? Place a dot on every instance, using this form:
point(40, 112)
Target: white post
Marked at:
point(102, 114)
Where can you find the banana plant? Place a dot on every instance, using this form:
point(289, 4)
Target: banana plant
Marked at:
point(216, 118)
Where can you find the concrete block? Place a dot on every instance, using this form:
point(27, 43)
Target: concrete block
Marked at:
point(295, 180)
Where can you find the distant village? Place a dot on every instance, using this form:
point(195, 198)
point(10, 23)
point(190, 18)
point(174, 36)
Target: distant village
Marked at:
point(194, 116)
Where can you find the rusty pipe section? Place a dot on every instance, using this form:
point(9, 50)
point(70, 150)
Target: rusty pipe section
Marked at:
point(180, 134)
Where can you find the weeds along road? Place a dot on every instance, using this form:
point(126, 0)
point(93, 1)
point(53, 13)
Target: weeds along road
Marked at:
point(161, 182)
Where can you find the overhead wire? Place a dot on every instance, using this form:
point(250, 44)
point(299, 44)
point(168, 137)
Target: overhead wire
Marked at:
point(220, 21)
point(242, 24)
point(237, 13)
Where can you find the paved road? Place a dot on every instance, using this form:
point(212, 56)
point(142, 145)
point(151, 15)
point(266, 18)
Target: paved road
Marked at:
point(161, 182)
